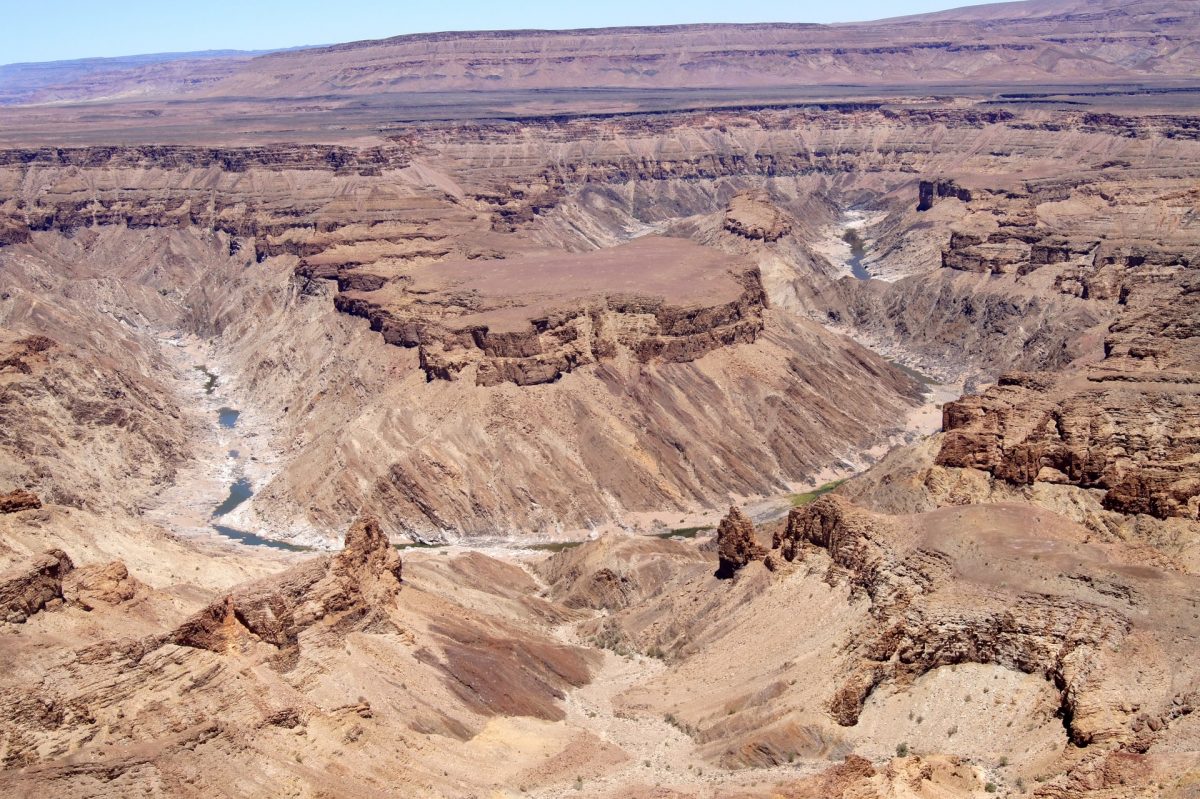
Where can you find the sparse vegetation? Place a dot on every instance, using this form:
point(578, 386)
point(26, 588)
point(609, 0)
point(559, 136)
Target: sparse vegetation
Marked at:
point(685, 532)
point(800, 500)
point(679, 725)
point(610, 637)
point(210, 379)
point(555, 546)
point(902, 749)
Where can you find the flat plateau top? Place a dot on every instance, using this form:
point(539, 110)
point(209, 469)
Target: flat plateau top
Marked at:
point(507, 293)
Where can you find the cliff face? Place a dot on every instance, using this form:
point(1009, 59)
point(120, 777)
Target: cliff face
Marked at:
point(534, 318)
point(116, 414)
point(490, 252)
point(936, 602)
point(1126, 425)
point(551, 311)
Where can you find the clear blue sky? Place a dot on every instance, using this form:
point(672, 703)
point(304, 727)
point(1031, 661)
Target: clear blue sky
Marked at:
point(50, 30)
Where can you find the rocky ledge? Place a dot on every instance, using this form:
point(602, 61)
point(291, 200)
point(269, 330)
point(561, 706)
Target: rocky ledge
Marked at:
point(346, 592)
point(960, 585)
point(752, 215)
point(1127, 425)
point(51, 580)
point(532, 318)
point(19, 500)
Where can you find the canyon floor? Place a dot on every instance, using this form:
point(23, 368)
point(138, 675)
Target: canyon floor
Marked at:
point(370, 434)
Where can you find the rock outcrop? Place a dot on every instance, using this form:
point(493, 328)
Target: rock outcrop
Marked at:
point(755, 217)
point(347, 591)
point(95, 585)
point(1128, 424)
point(19, 500)
point(736, 544)
point(25, 590)
point(1023, 432)
point(532, 318)
point(954, 586)
point(930, 191)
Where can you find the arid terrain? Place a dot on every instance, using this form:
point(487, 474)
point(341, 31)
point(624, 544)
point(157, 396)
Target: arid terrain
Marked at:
point(712, 411)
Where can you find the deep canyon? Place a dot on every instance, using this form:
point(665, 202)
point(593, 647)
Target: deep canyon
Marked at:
point(802, 411)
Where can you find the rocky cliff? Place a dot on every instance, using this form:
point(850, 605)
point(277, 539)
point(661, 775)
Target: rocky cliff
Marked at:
point(936, 603)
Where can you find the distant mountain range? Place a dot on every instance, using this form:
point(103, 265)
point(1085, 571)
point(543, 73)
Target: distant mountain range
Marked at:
point(1037, 41)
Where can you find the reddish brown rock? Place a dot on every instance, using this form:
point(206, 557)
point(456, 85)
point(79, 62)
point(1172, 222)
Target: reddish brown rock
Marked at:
point(753, 216)
point(26, 590)
point(925, 615)
point(736, 545)
point(93, 585)
point(1030, 429)
point(930, 191)
point(531, 318)
point(850, 534)
point(347, 591)
point(19, 500)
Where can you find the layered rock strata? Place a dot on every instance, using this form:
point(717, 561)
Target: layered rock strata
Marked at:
point(533, 318)
point(939, 599)
point(1128, 425)
point(347, 591)
point(19, 500)
point(736, 544)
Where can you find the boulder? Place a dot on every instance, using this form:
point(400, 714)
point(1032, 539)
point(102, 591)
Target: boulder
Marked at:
point(99, 584)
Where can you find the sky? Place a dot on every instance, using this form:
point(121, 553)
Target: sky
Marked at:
point(52, 30)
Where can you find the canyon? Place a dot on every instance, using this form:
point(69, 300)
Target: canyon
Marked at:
point(753, 411)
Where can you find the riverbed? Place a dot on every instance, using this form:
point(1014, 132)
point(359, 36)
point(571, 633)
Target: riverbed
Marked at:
point(844, 244)
point(212, 498)
point(231, 455)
